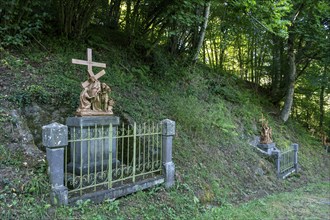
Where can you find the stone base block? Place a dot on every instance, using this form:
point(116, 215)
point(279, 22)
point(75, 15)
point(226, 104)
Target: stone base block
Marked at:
point(59, 195)
point(169, 172)
point(92, 140)
point(268, 148)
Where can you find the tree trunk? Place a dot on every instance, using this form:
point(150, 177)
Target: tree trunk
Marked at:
point(204, 55)
point(210, 56)
point(114, 14)
point(276, 70)
point(215, 52)
point(222, 56)
point(128, 16)
point(240, 57)
point(322, 100)
point(252, 59)
point(285, 113)
point(203, 30)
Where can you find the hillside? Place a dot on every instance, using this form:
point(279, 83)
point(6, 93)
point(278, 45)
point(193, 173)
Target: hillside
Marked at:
point(217, 117)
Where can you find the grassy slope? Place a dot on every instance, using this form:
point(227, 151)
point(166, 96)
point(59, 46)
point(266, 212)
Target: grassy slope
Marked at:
point(216, 119)
point(309, 202)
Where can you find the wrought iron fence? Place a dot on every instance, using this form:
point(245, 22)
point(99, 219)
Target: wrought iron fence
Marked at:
point(106, 156)
point(95, 158)
point(287, 161)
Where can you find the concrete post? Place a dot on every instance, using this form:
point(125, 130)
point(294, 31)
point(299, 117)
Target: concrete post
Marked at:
point(277, 155)
point(55, 139)
point(295, 149)
point(167, 139)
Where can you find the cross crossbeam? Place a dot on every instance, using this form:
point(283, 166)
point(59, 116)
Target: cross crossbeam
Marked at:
point(89, 63)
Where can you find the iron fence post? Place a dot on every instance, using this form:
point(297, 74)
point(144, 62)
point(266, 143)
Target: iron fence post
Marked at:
point(55, 139)
point(295, 160)
point(168, 131)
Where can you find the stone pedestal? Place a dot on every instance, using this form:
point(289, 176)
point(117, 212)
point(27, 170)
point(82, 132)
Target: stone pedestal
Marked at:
point(168, 132)
point(55, 139)
point(268, 148)
point(92, 143)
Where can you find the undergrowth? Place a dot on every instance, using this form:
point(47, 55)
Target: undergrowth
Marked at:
point(216, 119)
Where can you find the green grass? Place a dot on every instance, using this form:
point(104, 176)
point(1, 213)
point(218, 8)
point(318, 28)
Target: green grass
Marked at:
point(309, 202)
point(215, 118)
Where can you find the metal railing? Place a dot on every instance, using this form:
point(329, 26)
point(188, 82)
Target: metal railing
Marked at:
point(103, 157)
point(95, 158)
point(287, 162)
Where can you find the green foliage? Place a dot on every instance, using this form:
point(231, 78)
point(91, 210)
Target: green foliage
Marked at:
point(141, 72)
point(221, 118)
point(39, 181)
point(4, 117)
point(33, 93)
point(268, 15)
point(296, 204)
point(21, 20)
point(10, 61)
point(9, 158)
point(191, 118)
point(215, 118)
point(5, 155)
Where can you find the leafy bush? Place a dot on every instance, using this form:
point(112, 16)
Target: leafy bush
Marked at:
point(20, 21)
point(33, 93)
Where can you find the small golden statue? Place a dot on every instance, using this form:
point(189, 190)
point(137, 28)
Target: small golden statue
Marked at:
point(266, 132)
point(95, 98)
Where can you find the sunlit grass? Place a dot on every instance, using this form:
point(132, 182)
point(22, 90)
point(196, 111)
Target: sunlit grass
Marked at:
point(309, 202)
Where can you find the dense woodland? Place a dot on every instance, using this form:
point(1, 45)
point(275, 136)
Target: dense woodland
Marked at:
point(280, 46)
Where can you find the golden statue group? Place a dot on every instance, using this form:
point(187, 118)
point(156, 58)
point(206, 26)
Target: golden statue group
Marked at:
point(95, 98)
point(266, 132)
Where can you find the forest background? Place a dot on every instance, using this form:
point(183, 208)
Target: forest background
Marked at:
point(281, 46)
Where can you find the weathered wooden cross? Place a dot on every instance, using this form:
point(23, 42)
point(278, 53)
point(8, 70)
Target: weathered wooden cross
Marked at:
point(90, 65)
point(262, 120)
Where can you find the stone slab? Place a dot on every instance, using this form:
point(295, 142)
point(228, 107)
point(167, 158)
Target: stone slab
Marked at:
point(92, 121)
point(93, 113)
point(59, 195)
point(267, 148)
point(93, 143)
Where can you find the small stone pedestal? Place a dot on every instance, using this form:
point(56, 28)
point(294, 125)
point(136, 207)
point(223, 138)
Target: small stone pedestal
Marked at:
point(268, 148)
point(55, 139)
point(93, 143)
point(167, 141)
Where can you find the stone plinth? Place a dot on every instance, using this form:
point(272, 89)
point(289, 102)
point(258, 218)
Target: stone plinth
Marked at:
point(55, 139)
point(92, 143)
point(93, 113)
point(268, 148)
point(167, 141)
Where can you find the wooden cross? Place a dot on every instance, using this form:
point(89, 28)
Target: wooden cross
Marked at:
point(90, 65)
point(262, 119)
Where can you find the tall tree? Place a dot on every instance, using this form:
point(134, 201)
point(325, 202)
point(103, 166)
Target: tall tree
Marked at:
point(286, 110)
point(201, 34)
point(306, 43)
